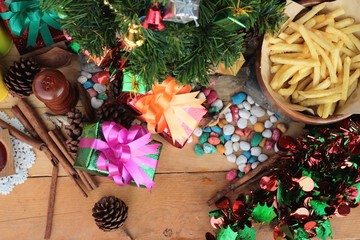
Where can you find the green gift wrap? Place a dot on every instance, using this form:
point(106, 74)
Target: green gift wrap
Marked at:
point(88, 158)
point(133, 83)
point(234, 18)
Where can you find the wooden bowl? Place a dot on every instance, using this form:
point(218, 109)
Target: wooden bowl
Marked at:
point(295, 115)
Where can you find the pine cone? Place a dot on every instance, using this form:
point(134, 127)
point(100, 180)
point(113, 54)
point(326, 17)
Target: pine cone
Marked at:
point(19, 77)
point(115, 86)
point(109, 213)
point(114, 112)
point(74, 130)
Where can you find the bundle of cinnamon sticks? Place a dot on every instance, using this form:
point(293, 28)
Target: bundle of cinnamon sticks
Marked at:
point(51, 143)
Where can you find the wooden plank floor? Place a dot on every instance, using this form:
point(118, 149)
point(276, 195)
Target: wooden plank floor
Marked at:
point(176, 208)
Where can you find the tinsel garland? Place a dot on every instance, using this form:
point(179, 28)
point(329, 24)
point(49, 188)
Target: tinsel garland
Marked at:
point(318, 178)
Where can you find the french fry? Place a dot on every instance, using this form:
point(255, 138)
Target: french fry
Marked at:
point(329, 66)
point(336, 13)
point(286, 92)
point(318, 18)
point(348, 52)
point(308, 62)
point(319, 94)
point(311, 13)
point(327, 109)
point(352, 29)
point(303, 73)
point(285, 47)
point(354, 76)
point(321, 100)
point(329, 21)
point(346, 78)
point(320, 110)
point(328, 36)
point(348, 43)
point(344, 23)
point(283, 75)
point(293, 37)
point(275, 68)
point(316, 60)
point(356, 41)
point(323, 71)
point(309, 42)
point(324, 44)
point(335, 54)
point(322, 86)
point(355, 66)
point(355, 59)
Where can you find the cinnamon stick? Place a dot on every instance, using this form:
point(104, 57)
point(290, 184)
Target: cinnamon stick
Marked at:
point(263, 167)
point(20, 116)
point(21, 136)
point(51, 203)
point(86, 102)
point(87, 180)
point(40, 129)
point(50, 156)
point(44, 148)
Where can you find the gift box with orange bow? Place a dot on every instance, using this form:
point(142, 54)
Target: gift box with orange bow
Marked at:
point(169, 109)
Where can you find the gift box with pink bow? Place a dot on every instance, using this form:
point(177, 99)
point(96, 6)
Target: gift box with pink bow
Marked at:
point(169, 109)
point(124, 155)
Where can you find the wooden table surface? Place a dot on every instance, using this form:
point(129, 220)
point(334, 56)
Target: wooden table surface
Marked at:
point(175, 209)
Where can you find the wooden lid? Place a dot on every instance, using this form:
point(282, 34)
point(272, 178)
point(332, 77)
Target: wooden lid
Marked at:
point(52, 88)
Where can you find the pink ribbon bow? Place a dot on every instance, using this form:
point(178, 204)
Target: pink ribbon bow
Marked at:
point(122, 153)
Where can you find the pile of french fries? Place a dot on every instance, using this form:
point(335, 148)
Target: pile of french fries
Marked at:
point(316, 60)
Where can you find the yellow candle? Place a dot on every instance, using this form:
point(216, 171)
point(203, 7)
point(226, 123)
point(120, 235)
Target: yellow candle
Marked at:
point(3, 89)
point(5, 41)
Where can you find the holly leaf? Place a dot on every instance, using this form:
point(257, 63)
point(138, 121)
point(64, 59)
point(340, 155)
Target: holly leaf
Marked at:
point(246, 234)
point(216, 213)
point(301, 234)
point(225, 234)
point(324, 230)
point(319, 207)
point(357, 185)
point(263, 213)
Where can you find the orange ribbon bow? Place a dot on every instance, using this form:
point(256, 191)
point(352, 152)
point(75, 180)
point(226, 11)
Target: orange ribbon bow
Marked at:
point(164, 107)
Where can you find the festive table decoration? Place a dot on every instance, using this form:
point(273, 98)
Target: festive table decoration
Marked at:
point(171, 110)
point(182, 11)
point(125, 155)
point(30, 27)
point(318, 178)
point(23, 156)
point(156, 49)
point(19, 77)
point(133, 84)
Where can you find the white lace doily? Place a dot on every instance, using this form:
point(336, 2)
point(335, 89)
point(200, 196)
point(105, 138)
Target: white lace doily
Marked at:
point(24, 158)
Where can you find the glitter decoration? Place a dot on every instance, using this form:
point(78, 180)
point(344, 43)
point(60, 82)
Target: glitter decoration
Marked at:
point(318, 177)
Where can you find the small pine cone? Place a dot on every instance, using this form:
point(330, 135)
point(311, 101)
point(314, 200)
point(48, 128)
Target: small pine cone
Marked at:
point(109, 213)
point(115, 86)
point(19, 77)
point(114, 112)
point(74, 130)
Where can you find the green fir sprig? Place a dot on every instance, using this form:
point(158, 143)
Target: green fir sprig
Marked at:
point(185, 51)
